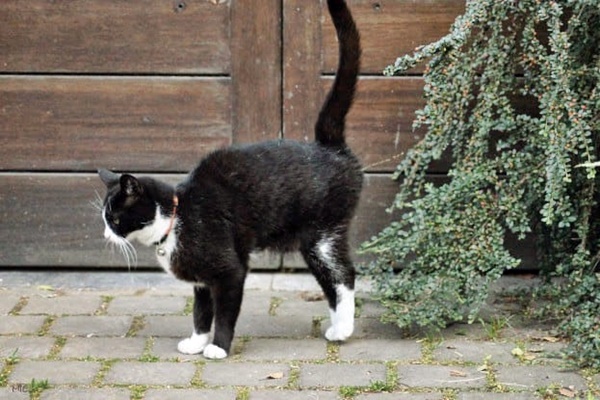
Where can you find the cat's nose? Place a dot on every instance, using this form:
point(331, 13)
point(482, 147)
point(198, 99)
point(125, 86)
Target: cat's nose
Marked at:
point(106, 233)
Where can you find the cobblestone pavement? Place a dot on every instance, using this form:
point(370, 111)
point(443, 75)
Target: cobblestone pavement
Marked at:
point(113, 336)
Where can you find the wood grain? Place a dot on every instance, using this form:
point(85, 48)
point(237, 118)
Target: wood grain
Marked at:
point(379, 125)
point(139, 124)
point(256, 70)
point(115, 36)
point(302, 91)
point(391, 28)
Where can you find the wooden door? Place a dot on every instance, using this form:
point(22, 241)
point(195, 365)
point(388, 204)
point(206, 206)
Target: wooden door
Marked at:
point(150, 86)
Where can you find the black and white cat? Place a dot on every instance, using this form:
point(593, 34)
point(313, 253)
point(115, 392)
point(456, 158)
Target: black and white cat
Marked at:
point(281, 195)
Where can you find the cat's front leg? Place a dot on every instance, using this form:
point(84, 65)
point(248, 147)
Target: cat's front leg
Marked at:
point(228, 301)
point(203, 316)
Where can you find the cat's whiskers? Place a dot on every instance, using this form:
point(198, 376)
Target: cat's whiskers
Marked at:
point(129, 252)
point(126, 249)
point(97, 204)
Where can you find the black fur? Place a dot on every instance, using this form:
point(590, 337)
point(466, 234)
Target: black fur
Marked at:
point(281, 195)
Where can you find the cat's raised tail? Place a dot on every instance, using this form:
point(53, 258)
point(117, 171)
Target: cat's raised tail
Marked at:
point(329, 129)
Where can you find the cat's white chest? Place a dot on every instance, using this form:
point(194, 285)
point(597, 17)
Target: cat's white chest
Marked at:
point(164, 252)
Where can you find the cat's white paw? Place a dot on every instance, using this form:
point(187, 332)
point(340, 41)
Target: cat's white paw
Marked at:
point(342, 318)
point(214, 352)
point(339, 333)
point(194, 344)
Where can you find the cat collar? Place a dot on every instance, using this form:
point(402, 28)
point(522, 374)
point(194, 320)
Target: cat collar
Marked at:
point(171, 223)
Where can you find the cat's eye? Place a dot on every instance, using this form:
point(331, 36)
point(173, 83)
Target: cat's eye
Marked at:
point(116, 220)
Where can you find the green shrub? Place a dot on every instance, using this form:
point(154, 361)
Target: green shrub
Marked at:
point(512, 99)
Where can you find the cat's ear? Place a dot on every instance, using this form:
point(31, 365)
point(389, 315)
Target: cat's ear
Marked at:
point(131, 186)
point(109, 178)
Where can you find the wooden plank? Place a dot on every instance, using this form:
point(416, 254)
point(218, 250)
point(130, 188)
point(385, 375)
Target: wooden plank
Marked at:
point(379, 125)
point(256, 70)
point(123, 123)
point(115, 36)
point(59, 226)
point(302, 91)
point(379, 191)
point(391, 28)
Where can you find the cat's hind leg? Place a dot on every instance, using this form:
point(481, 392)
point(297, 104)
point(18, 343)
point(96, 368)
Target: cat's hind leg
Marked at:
point(329, 261)
point(203, 316)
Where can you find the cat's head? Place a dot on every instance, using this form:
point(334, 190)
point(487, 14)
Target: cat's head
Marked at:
point(133, 208)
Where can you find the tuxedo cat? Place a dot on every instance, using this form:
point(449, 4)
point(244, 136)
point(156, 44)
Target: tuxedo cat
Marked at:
point(282, 195)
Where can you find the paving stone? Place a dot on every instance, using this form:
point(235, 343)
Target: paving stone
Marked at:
point(307, 282)
point(295, 306)
point(190, 394)
point(371, 328)
point(167, 326)
point(546, 351)
point(8, 302)
point(166, 349)
point(363, 285)
point(257, 302)
point(102, 347)
point(146, 305)
point(293, 395)
point(475, 351)
point(258, 281)
point(299, 282)
point(20, 324)
point(336, 375)
point(400, 396)
point(464, 331)
point(435, 376)
point(497, 396)
point(63, 305)
point(596, 380)
point(285, 349)
point(14, 393)
point(244, 374)
point(87, 394)
point(524, 327)
point(383, 349)
point(25, 346)
point(266, 326)
point(151, 373)
point(91, 326)
point(370, 308)
point(56, 372)
point(531, 377)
